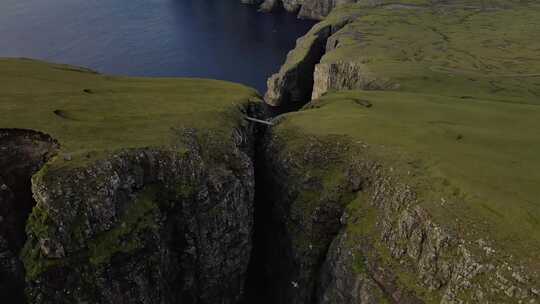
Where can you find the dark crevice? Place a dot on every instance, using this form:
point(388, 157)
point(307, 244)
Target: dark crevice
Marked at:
point(276, 273)
point(272, 264)
point(22, 153)
point(257, 289)
point(267, 278)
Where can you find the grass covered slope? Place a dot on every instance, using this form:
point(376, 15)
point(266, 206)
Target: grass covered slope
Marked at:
point(478, 155)
point(485, 49)
point(152, 184)
point(90, 114)
point(457, 87)
point(445, 97)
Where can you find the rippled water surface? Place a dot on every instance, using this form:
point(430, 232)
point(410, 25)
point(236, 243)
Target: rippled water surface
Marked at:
point(219, 39)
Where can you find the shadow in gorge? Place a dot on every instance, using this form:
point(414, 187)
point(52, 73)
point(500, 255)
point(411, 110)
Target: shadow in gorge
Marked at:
point(258, 287)
point(272, 261)
point(271, 258)
point(22, 153)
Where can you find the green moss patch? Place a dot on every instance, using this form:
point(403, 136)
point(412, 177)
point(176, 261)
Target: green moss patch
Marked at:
point(140, 216)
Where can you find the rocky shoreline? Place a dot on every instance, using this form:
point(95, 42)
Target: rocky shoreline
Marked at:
point(305, 9)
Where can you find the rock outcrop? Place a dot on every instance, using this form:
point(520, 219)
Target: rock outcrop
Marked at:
point(306, 9)
point(411, 232)
point(292, 87)
point(145, 226)
point(346, 75)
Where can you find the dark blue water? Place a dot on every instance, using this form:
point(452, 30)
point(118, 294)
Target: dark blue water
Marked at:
point(219, 39)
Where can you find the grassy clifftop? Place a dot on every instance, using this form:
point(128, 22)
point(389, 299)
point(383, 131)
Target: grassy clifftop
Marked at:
point(445, 97)
point(478, 155)
point(485, 49)
point(90, 114)
point(457, 87)
point(137, 167)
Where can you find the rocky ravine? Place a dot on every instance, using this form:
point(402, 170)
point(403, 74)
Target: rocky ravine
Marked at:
point(385, 187)
point(409, 232)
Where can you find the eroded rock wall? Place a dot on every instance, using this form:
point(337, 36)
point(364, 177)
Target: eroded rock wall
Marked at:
point(145, 225)
point(356, 233)
point(299, 219)
point(292, 87)
point(307, 9)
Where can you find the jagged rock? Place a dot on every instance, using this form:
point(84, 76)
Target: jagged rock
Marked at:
point(341, 283)
point(292, 86)
point(307, 9)
point(270, 5)
point(347, 76)
point(147, 226)
point(299, 218)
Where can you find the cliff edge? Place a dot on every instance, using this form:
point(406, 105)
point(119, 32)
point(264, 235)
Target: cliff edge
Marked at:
point(131, 189)
point(409, 173)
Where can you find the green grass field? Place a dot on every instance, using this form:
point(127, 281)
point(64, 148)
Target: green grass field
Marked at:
point(91, 114)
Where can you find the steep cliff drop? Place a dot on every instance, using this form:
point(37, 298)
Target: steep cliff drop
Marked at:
point(401, 179)
point(292, 87)
point(142, 204)
point(22, 153)
point(366, 194)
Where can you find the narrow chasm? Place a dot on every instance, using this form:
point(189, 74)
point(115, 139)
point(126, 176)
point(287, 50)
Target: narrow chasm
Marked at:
point(268, 280)
point(22, 153)
point(282, 269)
point(258, 287)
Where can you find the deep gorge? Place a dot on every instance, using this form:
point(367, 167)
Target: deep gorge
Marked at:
point(13, 276)
point(348, 182)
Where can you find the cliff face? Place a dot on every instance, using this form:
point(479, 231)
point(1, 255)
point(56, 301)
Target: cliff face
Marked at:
point(417, 92)
point(147, 226)
point(307, 9)
point(345, 225)
point(292, 86)
point(299, 216)
point(22, 154)
point(141, 204)
point(405, 176)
